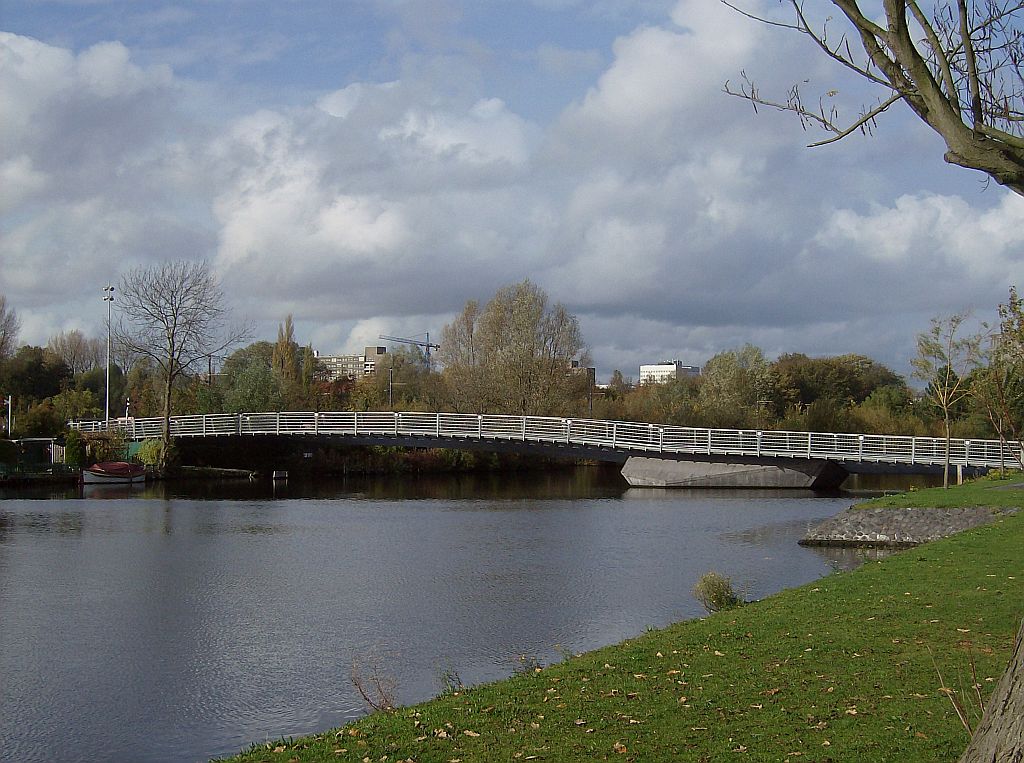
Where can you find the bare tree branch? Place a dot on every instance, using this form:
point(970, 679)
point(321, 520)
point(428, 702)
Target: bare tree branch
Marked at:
point(173, 314)
point(959, 67)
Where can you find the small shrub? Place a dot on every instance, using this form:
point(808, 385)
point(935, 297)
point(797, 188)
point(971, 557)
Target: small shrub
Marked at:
point(526, 664)
point(151, 451)
point(376, 688)
point(450, 680)
point(74, 449)
point(715, 592)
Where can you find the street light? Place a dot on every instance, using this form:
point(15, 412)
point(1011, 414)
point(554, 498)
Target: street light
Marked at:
point(108, 297)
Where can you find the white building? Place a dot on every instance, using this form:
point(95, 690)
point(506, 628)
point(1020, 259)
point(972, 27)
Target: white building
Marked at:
point(351, 366)
point(665, 371)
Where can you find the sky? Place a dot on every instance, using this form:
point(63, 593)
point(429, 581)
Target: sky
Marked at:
point(368, 166)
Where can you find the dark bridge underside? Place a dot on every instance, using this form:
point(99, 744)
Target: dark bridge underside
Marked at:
point(554, 450)
point(650, 469)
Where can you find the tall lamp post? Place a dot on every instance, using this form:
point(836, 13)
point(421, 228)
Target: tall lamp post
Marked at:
point(108, 297)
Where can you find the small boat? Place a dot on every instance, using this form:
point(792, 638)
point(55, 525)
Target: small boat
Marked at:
point(113, 472)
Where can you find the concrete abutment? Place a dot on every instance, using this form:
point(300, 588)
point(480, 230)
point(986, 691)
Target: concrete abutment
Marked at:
point(795, 474)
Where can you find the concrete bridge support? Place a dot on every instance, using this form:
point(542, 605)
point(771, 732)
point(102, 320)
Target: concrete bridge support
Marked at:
point(797, 473)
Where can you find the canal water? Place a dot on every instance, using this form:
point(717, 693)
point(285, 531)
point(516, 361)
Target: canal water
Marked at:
point(178, 624)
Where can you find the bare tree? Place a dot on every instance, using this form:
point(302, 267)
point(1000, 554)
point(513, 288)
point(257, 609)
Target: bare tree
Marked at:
point(78, 353)
point(174, 315)
point(10, 325)
point(958, 65)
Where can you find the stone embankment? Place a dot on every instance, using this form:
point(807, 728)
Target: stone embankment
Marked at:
point(897, 528)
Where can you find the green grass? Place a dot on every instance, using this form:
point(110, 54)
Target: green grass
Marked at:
point(991, 491)
point(838, 670)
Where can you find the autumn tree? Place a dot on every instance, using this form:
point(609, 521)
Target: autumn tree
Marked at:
point(174, 314)
point(516, 355)
point(462, 359)
point(10, 325)
point(285, 358)
point(737, 386)
point(955, 64)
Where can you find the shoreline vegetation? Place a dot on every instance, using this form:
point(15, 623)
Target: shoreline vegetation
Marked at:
point(860, 665)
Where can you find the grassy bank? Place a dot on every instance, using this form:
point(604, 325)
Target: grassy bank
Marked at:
point(994, 491)
point(842, 669)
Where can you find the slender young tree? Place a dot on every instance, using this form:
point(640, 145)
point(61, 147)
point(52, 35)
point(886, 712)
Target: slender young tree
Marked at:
point(174, 314)
point(944, 361)
point(285, 360)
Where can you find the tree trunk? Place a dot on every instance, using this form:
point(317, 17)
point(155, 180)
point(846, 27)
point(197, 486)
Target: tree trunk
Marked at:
point(945, 464)
point(168, 391)
point(999, 737)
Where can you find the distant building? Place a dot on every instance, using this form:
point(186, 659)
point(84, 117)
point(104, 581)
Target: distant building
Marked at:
point(337, 367)
point(665, 371)
point(590, 371)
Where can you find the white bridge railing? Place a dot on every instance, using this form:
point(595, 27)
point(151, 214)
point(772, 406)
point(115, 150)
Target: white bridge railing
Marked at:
point(624, 436)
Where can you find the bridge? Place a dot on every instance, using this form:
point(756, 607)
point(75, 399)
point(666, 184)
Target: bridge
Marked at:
point(653, 455)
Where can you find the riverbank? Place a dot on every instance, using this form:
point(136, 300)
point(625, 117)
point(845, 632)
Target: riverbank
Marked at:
point(845, 668)
point(920, 516)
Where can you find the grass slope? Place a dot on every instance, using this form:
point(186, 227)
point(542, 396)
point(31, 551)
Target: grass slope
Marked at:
point(1001, 492)
point(839, 670)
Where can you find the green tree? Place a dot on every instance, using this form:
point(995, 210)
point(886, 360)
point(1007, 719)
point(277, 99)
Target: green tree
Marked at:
point(33, 374)
point(142, 388)
point(739, 388)
point(261, 352)
point(255, 388)
point(40, 420)
point(998, 386)
point(75, 404)
point(309, 370)
point(74, 450)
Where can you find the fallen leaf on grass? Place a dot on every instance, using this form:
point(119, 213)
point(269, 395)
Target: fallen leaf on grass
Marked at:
point(619, 747)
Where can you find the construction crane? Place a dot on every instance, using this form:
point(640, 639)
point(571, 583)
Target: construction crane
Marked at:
point(425, 344)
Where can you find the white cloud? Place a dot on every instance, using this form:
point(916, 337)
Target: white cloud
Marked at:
point(672, 219)
point(955, 238)
point(19, 181)
point(486, 133)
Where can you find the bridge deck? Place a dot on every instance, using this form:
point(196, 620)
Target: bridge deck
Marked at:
point(622, 438)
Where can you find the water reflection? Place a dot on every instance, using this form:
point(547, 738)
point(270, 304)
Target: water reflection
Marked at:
point(181, 622)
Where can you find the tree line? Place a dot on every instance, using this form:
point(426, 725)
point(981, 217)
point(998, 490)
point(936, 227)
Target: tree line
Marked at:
point(518, 353)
